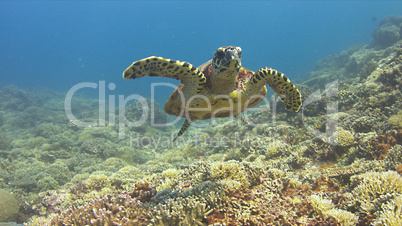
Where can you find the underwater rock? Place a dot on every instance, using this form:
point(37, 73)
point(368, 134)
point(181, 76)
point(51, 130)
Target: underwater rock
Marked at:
point(388, 32)
point(8, 207)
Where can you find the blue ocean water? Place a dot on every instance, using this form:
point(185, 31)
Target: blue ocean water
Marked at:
point(58, 44)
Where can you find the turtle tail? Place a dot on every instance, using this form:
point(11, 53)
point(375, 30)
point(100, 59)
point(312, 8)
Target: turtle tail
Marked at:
point(282, 86)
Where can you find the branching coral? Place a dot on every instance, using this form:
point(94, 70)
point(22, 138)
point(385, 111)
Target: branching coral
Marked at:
point(395, 120)
point(181, 211)
point(226, 172)
point(122, 210)
point(391, 213)
point(326, 208)
point(394, 158)
point(372, 188)
point(344, 137)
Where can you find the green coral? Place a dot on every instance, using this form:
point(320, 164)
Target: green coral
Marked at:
point(48, 130)
point(8, 207)
point(98, 146)
point(97, 181)
point(5, 141)
point(389, 31)
point(13, 99)
point(47, 183)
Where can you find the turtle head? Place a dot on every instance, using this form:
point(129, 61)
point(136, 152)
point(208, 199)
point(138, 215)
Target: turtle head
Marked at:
point(227, 62)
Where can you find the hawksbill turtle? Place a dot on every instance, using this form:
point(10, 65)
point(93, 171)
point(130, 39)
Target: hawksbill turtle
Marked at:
point(221, 87)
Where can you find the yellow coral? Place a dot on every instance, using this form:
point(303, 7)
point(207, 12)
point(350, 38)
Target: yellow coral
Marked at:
point(166, 184)
point(396, 120)
point(275, 148)
point(97, 182)
point(373, 185)
point(320, 205)
point(345, 138)
point(231, 170)
point(326, 208)
point(172, 173)
point(343, 217)
point(392, 213)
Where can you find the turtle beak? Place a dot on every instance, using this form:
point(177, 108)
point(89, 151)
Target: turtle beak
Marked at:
point(232, 59)
point(233, 63)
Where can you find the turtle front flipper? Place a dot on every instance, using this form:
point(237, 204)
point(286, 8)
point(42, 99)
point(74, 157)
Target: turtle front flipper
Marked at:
point(282, 86)
point(183, 129)
point(192, 78)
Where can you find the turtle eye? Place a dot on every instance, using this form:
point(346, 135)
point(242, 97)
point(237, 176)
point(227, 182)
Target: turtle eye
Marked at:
point(220, 54)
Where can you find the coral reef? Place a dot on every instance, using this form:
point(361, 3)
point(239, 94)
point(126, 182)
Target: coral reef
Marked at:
point(388, 32)
point(121, 210)
point(344, 137)
point(13, 99)
point(326, 208)
point(372, 190)
point(337, 162)
point(391, 213)
point(8, 207)
point(394, 158)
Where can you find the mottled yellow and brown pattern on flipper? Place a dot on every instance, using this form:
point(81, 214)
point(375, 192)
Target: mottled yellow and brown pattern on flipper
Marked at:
point(221, 87)
point(183, 129)
point(192, 78)
point(282, 86)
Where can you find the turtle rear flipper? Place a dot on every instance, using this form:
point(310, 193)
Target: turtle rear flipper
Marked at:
point(192, 78)
point(282, 86)
point(241, 118)
point(183, 129)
